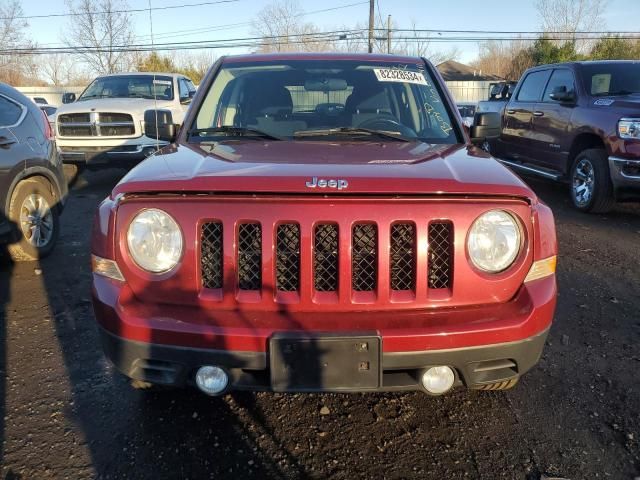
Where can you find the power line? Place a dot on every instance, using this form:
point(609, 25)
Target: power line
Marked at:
point(128, 10)
point(215, 28)
point(299, 39)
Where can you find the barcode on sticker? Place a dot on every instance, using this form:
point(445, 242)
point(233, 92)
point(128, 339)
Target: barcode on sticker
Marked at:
point(397, 75)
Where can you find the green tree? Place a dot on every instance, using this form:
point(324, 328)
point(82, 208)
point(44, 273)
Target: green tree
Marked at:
point(544, 51)
point(156, 63)
point(616, 48)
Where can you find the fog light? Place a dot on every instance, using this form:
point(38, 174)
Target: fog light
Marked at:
point(437, 380)
point(211, 380)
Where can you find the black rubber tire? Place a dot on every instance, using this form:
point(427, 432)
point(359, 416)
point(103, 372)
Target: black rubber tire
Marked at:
point(20, 249)
point(602, 199)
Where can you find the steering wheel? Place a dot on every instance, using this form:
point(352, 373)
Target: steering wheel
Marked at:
point(388, 125)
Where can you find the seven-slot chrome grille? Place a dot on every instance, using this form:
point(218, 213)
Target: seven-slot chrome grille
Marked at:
point(365, 255)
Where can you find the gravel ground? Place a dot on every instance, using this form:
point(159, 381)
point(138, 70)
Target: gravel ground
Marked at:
point(65, 414)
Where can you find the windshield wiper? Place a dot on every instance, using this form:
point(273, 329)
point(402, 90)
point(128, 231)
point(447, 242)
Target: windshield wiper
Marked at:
point(140, 95)
point(232, 131)
point(350, 131)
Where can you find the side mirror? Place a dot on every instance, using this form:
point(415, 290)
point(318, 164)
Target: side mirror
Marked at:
point(68, 97)
point(159, 124)
point(187, 100)
point(560, 94)
point(486, 125)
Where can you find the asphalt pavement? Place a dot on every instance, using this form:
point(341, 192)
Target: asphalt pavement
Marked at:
point(66, 414)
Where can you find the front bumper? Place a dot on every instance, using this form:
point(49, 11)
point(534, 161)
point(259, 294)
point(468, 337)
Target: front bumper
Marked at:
point(625, 176)
point(100, 152)
point(485, 345)
point(476, 367)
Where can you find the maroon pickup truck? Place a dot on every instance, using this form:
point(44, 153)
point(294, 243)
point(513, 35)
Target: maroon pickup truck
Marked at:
point(577, 122)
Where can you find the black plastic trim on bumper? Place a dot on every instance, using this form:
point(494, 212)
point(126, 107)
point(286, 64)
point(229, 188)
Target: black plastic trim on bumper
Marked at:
point(176, 366)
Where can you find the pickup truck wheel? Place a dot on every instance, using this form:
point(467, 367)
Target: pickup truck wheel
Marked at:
point(34, 212)
point(591, 188)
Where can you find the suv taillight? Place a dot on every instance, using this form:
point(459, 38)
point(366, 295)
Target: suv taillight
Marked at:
point(48, 131)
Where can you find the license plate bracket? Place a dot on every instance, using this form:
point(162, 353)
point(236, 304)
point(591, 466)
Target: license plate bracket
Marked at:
point(325, 362)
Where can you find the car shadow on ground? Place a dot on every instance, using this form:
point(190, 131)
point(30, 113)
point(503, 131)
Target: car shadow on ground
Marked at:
point(134, 432)
point(137, 433)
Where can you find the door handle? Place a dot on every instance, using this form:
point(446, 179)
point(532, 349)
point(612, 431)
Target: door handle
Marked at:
point(511, 112)
point(538, 114)
point(5, 142)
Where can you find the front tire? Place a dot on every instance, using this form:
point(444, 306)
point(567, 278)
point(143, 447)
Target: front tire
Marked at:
point(591, 187)
point(34, 212)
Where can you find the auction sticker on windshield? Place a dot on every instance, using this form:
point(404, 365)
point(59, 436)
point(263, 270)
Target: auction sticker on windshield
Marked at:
point(397, 75)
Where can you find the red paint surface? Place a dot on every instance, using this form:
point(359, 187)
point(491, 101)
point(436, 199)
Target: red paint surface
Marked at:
point(264, 181)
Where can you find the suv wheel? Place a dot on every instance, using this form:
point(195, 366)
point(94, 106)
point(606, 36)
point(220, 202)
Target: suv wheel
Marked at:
point(34, 212)
point(591, 188)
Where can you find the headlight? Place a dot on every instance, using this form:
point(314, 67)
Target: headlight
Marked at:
point(155, 241)
point(629, 128)
point(494, 241)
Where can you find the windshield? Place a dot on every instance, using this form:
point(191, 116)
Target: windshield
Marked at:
point(322, 100)
point(602, 79)
point(130, 86)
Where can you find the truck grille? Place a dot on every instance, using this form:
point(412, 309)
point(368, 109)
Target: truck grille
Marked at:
point(211, 255)
point(250, 256)
point(402, 256)
point(325, 258)
point(288, 258)
point(364, 265)
point(365, 253)
point(439, 255)
point(95, 124)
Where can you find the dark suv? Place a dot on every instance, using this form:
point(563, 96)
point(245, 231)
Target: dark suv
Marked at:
point(32, 185)
point(578, 122)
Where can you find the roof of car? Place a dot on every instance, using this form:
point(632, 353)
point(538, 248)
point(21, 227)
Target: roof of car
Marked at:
point(158, 74)
point(270, 57)
point(584, 62)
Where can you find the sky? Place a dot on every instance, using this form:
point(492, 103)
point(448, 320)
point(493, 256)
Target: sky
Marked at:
point(175, 24)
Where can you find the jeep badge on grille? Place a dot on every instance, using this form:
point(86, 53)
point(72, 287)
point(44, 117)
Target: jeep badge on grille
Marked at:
point(339, 183)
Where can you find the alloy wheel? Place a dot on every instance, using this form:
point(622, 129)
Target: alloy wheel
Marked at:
point(583, 182)
point(36, 220)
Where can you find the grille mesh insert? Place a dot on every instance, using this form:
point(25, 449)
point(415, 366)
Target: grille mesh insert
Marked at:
point(249, 256)
point(211, 255)
point(439, 255)
point(325, 258)
point(364, 260)
point(288, 258)
point(403, 238)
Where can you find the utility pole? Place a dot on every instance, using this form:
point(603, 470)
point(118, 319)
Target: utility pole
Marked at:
point(371, 17)
point(389, 34)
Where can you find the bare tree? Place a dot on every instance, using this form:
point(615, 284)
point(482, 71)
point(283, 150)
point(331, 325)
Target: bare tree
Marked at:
point(57, 68)
point(282, 29)
point(17, 66)
point(564, 18)
point(97, 30)
point(419, 44)
point(506, 59)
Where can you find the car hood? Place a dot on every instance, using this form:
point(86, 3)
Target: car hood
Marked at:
point(136, 106)
point(389, 168)
point(625, 102)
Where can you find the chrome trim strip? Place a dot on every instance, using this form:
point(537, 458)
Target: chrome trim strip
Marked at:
point(620, 163)
point(531, 169)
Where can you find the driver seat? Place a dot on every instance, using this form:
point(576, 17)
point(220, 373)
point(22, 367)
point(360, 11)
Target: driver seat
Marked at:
point(366, 104)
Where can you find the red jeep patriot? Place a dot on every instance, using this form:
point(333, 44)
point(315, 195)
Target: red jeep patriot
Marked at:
point(322, 223)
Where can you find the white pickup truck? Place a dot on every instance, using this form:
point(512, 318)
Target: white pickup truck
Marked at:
point(105, 125)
